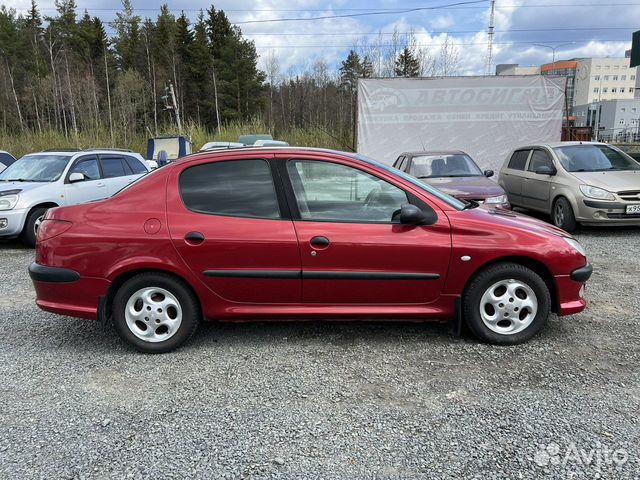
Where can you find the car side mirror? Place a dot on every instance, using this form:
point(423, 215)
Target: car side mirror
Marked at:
point(412, 215)
point(77, 177)
point(488, 173)
point(546, 170)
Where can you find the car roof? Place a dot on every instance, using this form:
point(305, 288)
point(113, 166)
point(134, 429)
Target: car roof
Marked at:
point(73, 152)
point(273, 150)
point(432, 152)
point(559, 144)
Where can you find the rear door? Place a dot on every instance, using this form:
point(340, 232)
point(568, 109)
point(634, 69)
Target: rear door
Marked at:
point(512, 176)
point(352, 247)
point(536, 188)
point(92, 188)
point(234, 231)
point(116, 171)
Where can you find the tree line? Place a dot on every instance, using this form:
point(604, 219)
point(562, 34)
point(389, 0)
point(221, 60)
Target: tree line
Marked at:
point(66, 73)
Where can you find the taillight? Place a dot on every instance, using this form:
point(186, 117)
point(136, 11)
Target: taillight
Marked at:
point(52, 228)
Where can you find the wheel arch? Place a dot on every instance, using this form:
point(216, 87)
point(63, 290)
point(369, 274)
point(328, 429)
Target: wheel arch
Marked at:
point(104, 310)
point(531, 263)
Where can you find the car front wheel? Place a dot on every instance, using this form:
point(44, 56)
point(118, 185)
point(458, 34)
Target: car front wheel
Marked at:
point(563, 216)
point(155, 312)
point(506, 304)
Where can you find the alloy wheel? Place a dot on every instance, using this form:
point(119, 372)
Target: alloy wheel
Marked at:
point(508, 306)
point(153, 314)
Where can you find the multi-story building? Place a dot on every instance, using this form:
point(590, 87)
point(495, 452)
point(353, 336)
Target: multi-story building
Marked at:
point(566, 68)
point(611, 120)
point(599, 79)
point(515, 69)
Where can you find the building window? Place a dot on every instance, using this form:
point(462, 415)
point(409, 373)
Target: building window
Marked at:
point(597, 77)
point(607, 67)
point(606, 77)
point(617, 67)
point(623, 77)
point(597, 67)
point(623, 109)
point(633, 77)
point(596, 90)
point(621, 121)
point(630, 89)
point(615, 78)
point(614, 90)
point(634, 109)
point(621, 89)
point(605, 89)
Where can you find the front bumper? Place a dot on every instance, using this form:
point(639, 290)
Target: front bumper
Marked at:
point(14, 220)
point(598, 212)
point(571, 290)
point(66, 292)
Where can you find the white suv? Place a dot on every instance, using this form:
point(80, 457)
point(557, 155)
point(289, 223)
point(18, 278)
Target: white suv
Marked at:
point(39, 181)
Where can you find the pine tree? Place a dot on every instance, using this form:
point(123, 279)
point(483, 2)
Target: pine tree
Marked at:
point(126, 43)
point(407, 65)
point(350, 71)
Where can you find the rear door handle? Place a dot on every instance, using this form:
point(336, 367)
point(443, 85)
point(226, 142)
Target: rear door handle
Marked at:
point(319, 241)
point(194, 237)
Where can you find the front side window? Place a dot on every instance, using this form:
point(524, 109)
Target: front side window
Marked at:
point(539, 159)
point(236, 188)
point(36, 168)
point(518, 159)
point(594, 158)
point(88, 167)
point(327, 191)
point(444, 165)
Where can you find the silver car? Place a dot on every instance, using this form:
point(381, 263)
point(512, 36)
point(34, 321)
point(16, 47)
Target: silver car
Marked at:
point(575, 182)
point(39, 181)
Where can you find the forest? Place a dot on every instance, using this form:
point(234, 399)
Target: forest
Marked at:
point(64, 81)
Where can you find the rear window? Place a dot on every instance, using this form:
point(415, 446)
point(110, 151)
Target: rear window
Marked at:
point(135, 165)
point(238, 188)
point(518, 159)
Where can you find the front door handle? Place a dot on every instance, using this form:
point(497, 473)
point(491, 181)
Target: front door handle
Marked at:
point(194, 237)
point(320, 242)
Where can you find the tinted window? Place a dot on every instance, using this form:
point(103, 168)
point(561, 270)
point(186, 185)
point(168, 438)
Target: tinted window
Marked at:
point(88, 167)
point(242, 188)
point(6, 159)
point(113, 167)
point(330, 191)
point(539, 159)
point(518, 159)
point(135, 165)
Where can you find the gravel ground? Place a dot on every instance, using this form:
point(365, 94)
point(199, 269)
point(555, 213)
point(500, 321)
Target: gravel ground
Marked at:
point(326, 400)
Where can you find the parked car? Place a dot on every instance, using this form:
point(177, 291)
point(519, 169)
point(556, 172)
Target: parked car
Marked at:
point(585, 183)
point(39, 181)
point(296, 233)
point(454, 172)
point(6, 159)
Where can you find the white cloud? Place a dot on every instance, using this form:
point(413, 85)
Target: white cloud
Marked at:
point(442, 21)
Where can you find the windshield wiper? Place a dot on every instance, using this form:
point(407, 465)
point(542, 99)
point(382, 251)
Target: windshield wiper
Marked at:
point(19, 180)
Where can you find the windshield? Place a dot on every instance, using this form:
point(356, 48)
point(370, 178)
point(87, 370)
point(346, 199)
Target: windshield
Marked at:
point(444, 165)
point(594, 158)
point(454, 202)
point(36, 168)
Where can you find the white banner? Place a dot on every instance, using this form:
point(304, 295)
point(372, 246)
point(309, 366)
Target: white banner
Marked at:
point(484, 116)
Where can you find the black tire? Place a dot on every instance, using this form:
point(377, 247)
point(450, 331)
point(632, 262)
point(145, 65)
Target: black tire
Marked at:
point(562, 215)
point(483, 281)
point(28, 235)
point(188, 304)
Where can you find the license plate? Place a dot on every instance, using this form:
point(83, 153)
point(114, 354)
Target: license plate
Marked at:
point(633, 208)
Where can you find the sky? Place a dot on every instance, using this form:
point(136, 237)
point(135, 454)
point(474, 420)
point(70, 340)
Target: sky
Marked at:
point(526, 31)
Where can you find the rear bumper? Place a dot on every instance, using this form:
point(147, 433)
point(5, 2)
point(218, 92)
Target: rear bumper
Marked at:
point(66, 292)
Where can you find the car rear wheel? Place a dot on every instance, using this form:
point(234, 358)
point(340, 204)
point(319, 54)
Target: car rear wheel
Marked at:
point(506, 304)
point(155, 312)
point(31, 225)
point(563, 216)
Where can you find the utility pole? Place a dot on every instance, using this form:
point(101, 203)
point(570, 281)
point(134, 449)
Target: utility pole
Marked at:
point(172, 105)
point(490, 34)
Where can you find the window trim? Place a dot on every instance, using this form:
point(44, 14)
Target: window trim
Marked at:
point(529, 151)
point(283, 208)
point(108, 156)
point(77, 161)
point(549, 156)
point(293, 204)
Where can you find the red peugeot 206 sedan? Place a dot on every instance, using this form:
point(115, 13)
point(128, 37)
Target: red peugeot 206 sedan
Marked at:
point(295, 233)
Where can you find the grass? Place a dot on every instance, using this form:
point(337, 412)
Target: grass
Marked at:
point(24, 142)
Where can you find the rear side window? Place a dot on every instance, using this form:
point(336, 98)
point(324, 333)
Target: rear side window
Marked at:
point(237, 188)
point(135, 165)
point(518, 159)
point(539, 159)
point(6, 159)
point(114, 167)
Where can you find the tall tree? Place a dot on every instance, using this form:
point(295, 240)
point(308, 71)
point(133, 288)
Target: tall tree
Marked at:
point(407, 65)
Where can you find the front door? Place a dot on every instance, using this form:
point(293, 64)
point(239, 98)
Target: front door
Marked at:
point(536, 187)
point(228, 225)
point(93, 187)
point(352, 247)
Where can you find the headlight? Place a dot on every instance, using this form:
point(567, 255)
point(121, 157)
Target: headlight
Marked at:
point(576, 245)
point(7, 202)
point(597, 193)
point(497, 200)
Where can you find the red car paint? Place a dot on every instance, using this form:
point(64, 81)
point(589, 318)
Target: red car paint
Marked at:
point(143, 228)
